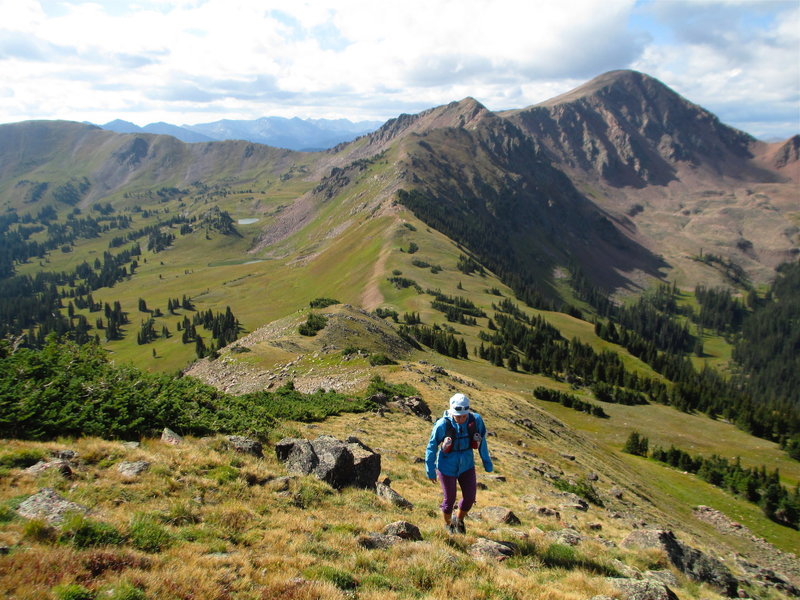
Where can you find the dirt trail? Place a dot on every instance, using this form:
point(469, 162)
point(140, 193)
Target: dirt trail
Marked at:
point(372, 298)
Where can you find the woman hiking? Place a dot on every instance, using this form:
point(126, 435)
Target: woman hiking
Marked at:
point(450, 455)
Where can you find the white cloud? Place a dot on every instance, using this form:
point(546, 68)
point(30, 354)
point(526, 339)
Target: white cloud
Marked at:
point(195, 60)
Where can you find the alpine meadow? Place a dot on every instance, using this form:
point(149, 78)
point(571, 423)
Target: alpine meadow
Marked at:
point(221, 361)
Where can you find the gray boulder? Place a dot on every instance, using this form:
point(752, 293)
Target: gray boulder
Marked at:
point(404, 530)
point(690, 561)
point(643, 589)
point(378, 541)
point(170, 437)
point(545, 511)
point(341, 464)
point(335, 464)
point(133, 469)
point(489, 549)
point(48, 505)
point(499, 514)
point(666, 577)
point(62, 466)
point(245, 445)
point(64, 454)
point(383, 489)
point(297, 455)
point(366, 463)
point(568, 537)
point(412, 405)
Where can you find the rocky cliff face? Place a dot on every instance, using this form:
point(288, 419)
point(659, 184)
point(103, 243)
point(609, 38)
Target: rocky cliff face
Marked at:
point(629, 129)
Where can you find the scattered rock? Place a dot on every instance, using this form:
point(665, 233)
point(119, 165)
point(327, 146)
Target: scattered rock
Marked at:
point(439, 370)
point(592, 476)
point(692, 562)
point(4, 550)
point(131, 445)
point(48, 505)
point(418, 460)
point(404, 530)
point(297, 455)
point(568, 537)
point(595, 526)
point(64, 454)
point(481, 486)
point(765, 577)
point(499, 514)
point(581, 506)
point(573, 501)
point(245, 445)
point(60, 465)
point(349, 463)
point(568, 456)
point(133, 469)
point(489, 549)
point(378, 541)
point(666, 577)
point(413, 405)
point(544, 511)
point(499, 478)
point(643, 589)
point(761, 551)
point(616, 492)
point(626, 570)
point(384, 491)
point(170, 437)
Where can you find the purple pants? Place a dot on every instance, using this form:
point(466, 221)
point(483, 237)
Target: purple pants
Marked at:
point(469, 487)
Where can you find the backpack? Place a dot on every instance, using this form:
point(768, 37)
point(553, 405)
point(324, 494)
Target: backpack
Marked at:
point(450, 432)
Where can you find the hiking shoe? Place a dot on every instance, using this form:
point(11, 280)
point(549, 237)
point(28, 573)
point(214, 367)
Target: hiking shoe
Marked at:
point(450, 529)
point(457, 525)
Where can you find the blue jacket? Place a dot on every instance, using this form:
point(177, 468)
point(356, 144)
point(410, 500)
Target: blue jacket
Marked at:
point(460, 459)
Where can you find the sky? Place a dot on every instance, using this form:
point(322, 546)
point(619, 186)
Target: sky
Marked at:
point(197, 61)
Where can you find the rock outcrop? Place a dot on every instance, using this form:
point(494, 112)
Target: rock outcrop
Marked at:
point(48, 505)
point(245, 445)
point(692, 562)
point(341, 464)
point(643, 589)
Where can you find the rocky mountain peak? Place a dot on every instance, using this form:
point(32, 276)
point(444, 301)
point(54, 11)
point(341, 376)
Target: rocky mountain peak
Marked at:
point(467, 114)
point(629, 129)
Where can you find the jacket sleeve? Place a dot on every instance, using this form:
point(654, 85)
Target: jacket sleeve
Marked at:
point(483, 449)
point(432, 451)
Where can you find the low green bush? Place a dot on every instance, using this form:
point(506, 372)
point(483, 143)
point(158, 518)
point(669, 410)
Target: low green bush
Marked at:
point(377, 360)
point(313, 324)
point(38, 530)
point(147, 535)
point(21, 459)
point(378, 386)
point(124, 591)
point(72, 591)
point(341, 579)
point(82, 532)
point(322, 302)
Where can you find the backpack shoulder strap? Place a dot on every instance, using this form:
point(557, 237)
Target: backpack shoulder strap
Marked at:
point(449, 430)
point(472, 425)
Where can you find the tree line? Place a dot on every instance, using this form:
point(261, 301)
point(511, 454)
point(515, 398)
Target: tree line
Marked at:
point(754, 484)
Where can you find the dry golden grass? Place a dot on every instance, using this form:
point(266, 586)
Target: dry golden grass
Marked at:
point(225, 526)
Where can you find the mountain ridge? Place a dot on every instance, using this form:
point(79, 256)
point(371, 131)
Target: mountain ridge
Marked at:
point(293, 134)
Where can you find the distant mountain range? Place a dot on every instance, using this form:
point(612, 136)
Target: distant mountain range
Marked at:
point(293, 134)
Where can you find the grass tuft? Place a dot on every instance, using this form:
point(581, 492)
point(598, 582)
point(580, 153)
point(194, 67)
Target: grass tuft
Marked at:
point(72, 591)
point(147, 535)
point(338, 577)
point(21, 459)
